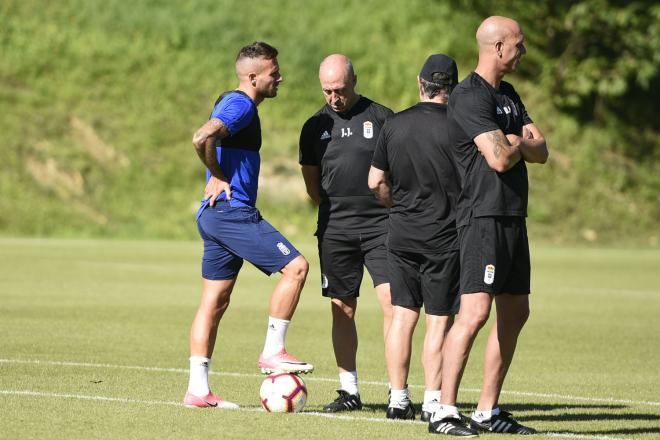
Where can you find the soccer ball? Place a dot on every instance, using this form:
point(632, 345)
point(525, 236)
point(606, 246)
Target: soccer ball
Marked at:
point(283, 392)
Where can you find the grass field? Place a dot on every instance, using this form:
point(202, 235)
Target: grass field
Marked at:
point(94, 345)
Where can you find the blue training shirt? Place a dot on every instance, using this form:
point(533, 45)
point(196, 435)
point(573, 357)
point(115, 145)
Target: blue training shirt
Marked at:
point(238, 154)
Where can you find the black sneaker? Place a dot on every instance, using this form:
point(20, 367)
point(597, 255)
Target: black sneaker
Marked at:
point(344, 402)
point(405, 413)
point(452, 426)
point(502, 423)
point(426, 415)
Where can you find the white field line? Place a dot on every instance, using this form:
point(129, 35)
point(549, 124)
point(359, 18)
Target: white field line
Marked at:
point(610, 400)
point(580, 436)
point(83, 397)
point(29, 393)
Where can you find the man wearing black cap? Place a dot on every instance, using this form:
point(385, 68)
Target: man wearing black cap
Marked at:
point(412, 171)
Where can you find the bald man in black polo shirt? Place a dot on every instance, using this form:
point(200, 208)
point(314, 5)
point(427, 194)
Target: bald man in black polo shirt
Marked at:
point(493, 137)
point(336, 146)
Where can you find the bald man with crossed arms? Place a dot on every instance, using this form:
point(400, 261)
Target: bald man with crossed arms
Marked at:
point(493, 138)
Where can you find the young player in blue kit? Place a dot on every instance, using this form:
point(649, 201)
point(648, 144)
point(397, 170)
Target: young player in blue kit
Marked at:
point(232, 228)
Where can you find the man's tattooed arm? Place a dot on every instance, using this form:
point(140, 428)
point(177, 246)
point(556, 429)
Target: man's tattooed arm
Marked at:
point(498, 142)
point(498, 151)
point(205, 139)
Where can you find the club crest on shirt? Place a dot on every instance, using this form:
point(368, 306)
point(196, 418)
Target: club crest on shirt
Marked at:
point(282, 247)
point(489, 274)
point(368, 130)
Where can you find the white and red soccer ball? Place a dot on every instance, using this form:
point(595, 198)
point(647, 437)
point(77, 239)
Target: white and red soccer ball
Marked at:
point(283, 392)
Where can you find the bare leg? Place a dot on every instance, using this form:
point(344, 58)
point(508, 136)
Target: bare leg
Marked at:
point(385, 301)
point(285, 296)
point(214, 302)
point(398, 345)
point(475, 308)
point(512, 313)
point(344, 333)
point(436, 329)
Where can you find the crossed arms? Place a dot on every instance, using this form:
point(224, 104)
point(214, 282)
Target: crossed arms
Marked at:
point(502, 151)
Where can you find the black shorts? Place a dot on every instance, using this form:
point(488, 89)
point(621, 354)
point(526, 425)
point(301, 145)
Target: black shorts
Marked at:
point(495, 256)
point(425, 278)
point(342, 261)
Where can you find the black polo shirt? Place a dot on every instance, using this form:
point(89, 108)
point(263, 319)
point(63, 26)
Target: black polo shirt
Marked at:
point(475, 107)
point(414, 147)
point(342, 145)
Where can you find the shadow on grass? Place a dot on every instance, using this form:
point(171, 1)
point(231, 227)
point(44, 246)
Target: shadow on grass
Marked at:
point(589, 417)
point(602, 413)
point(517, 407)
point(630, 431)
point(650, 430)
point(376, 407)
point(512, 407)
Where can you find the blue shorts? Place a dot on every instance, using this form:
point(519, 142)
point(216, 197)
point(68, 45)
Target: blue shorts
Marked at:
point(234, 234)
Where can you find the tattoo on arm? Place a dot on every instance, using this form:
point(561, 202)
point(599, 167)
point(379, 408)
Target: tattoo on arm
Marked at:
point(213, 127)
point(199, 137)
point(218, 129)
point(499, 142)
point(205, 139)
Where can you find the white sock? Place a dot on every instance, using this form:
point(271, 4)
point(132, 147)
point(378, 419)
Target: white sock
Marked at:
point(481, 415)
point(430, 396)
point(348, 381)
point(198, 385)
point(445, 411)
point(398, 398)
point(275, 336)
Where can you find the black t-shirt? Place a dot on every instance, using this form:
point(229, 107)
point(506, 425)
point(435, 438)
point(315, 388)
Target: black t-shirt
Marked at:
point(414, 147)
point(475, 107)
point(342, 145)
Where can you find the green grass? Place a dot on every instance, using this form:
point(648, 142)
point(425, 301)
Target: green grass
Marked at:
point(101, 98)
point(587, 362)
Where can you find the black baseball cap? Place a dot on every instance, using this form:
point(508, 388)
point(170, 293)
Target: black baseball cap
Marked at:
point(439, 63)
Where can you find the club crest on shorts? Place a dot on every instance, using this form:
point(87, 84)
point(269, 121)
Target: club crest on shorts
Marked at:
point(489, 274)
point(368, 130)
point(282, 247)
point(324, 281)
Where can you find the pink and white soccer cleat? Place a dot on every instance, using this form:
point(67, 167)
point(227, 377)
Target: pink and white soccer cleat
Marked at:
point(208, 401)
point(283, 362)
